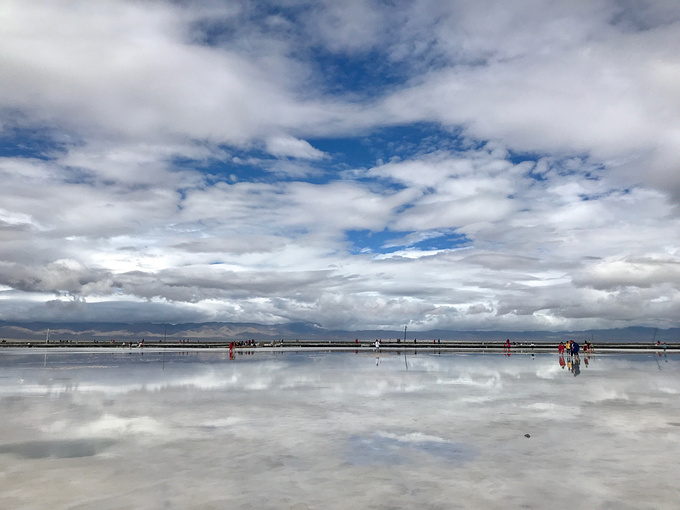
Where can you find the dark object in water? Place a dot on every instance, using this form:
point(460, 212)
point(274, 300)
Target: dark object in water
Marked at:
point(527, 435)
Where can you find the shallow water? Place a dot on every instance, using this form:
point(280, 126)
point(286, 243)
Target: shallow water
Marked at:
point(177, 430)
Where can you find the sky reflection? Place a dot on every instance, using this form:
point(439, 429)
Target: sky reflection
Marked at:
point(335, 430)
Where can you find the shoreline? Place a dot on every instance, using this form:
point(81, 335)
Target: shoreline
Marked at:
point(447, 346)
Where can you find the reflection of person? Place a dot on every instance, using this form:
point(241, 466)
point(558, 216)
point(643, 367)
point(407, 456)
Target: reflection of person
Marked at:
point(562, 361)
point(576, 367)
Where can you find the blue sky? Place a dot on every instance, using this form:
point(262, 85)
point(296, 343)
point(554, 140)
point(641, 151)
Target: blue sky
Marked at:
point(457, 165)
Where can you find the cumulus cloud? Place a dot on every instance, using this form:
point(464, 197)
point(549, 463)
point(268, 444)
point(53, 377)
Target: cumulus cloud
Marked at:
point(448, 164)
point(640, 272)
point(604, 91)
point(292, 147)
point(131, 70)
point(60, 276)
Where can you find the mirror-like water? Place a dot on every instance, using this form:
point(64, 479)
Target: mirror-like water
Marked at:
point(144, 429)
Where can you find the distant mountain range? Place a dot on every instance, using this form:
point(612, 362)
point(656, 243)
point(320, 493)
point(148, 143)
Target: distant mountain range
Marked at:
point(302, 331)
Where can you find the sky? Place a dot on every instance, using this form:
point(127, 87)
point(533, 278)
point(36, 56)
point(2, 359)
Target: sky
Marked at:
point(363, 164)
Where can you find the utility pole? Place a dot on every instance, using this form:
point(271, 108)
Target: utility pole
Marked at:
point(405, 362)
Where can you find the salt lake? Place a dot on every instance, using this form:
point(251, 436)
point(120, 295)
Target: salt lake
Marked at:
point(299, 430)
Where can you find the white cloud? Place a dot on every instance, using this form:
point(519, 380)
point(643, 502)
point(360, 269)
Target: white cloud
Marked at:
point(130, 69)
point(641, 272)
point(608, 97)
point(292, 147)
point(145, 192)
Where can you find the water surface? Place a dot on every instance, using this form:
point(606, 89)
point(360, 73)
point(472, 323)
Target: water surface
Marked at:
point(162, 429)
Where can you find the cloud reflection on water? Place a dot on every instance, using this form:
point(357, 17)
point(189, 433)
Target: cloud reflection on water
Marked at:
point(335, 430)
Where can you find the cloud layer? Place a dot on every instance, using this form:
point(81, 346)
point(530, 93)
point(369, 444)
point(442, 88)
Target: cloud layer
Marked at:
point(457, 165)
